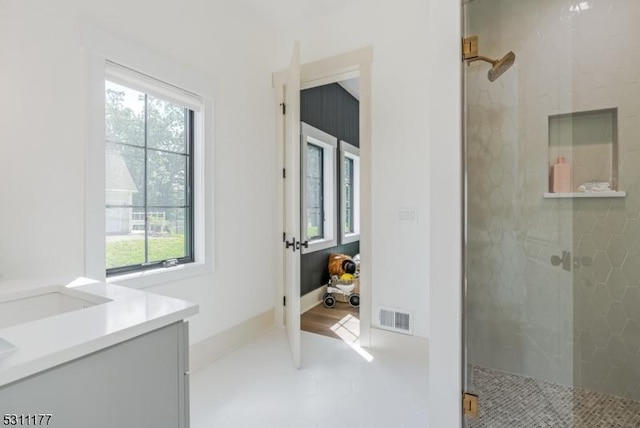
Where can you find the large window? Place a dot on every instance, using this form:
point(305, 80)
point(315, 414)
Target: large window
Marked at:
point(350, 199)
point(318, 188)
point(149, 174)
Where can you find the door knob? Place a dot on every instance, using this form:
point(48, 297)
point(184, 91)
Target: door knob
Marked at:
point(293, 243)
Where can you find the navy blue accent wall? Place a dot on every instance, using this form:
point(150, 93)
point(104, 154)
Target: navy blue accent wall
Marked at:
point(313, 266)
point(335, 111)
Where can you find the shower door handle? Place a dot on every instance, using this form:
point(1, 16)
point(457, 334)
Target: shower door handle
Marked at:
point(564, 260)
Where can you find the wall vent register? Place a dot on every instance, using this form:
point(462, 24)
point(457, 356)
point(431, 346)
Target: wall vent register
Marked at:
point(395, 320)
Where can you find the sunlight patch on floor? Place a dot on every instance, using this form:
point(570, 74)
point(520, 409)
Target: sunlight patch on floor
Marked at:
point(348, 329)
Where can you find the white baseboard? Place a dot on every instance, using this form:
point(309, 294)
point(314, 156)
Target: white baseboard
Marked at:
point(312, 299)
point(205, 352)
point(398, 343)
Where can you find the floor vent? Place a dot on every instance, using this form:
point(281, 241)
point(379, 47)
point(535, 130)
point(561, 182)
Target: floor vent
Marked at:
point(395, 320)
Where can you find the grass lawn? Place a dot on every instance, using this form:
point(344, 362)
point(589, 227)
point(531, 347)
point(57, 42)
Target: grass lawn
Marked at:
point(131, 251)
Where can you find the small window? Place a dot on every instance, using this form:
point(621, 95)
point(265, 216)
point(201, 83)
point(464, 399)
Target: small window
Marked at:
point(318, 195)
point(315, 190)
point(349, 226)
point(350, 199)
point(149, 173)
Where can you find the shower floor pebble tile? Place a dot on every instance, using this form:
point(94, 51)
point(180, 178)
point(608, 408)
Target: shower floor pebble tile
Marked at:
point(257, 386)
point(512, 401)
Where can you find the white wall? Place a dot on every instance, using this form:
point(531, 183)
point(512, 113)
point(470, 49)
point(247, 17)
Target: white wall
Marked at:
point(445, 306)
point(42, 150)
point(400, 136)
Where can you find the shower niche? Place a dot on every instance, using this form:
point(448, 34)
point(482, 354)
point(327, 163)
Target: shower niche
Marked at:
point(583, 155)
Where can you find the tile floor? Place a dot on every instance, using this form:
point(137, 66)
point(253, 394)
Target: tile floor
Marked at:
point(256, 386)
point(512, 401)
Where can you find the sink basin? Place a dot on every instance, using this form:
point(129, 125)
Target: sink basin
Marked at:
point(6, 347)
point(31, 305)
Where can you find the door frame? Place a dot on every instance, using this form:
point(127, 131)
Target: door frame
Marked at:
point(317, 73)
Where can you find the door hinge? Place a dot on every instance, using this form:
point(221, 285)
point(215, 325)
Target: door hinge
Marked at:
point(284, 236)
point(284, 108)
point(284, 300)
point(470, 404)
point(284, 173)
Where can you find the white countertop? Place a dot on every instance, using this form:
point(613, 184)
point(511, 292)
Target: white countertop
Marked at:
point(48, 342)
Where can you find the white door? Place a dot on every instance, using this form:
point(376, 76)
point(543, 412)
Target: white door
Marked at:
point(292, 206)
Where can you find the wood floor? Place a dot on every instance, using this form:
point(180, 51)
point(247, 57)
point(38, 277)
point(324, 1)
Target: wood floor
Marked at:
point(341, 322)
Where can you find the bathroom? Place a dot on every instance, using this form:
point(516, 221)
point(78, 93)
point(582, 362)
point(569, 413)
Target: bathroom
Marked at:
point(50, 231)
point(54, 227)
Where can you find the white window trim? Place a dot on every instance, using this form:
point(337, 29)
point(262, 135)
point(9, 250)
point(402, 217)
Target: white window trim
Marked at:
point(349, 151)
point(100, 49)
point(329, 145)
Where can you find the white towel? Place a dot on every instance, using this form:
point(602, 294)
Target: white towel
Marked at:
point(595, 186)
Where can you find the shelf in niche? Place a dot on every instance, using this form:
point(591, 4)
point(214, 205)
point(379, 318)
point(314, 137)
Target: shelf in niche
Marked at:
point(612, 194)
point(588, 141)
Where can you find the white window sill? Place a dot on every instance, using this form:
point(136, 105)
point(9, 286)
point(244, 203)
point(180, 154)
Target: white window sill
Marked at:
point(320, 244)
point(350, 237)
point(152, 277)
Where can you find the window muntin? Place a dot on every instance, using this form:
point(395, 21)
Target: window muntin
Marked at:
point(350, 193)
point(149, 179)
point(318, 189)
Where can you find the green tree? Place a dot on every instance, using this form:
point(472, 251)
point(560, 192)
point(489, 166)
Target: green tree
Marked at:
point(161, 125)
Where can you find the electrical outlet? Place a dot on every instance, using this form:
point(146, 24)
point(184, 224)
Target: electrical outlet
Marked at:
point(408, 215)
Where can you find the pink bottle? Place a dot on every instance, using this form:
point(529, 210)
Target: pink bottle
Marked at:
point(561, 176)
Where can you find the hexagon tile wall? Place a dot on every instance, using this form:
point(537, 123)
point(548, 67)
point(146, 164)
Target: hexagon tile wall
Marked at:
point(580, 326)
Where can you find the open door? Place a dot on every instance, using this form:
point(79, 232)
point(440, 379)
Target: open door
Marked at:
point(292, 206)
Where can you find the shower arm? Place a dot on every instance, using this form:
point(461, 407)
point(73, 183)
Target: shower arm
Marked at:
point(481, 58)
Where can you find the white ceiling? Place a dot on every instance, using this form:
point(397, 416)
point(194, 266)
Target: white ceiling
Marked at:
point(280, 13)
point(352, 86)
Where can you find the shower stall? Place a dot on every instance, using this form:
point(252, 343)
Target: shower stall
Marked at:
point(552, 227)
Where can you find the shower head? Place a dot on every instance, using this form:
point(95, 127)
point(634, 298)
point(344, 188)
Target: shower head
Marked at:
point(501, 65)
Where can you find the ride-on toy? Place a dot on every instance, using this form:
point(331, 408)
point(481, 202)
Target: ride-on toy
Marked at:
point(342, 270)
point(345, 290)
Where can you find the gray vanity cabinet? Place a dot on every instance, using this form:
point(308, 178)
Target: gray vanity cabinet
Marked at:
point(142, 382)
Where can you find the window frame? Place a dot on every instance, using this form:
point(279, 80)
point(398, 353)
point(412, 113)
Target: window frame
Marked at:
point(99, 49)
point(349, 151)
point(329, 144)
point(152, 87)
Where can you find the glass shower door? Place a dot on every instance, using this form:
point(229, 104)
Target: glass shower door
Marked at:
point(552, 300)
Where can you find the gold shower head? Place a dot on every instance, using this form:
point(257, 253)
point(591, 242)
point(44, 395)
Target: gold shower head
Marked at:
point(499, 66)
